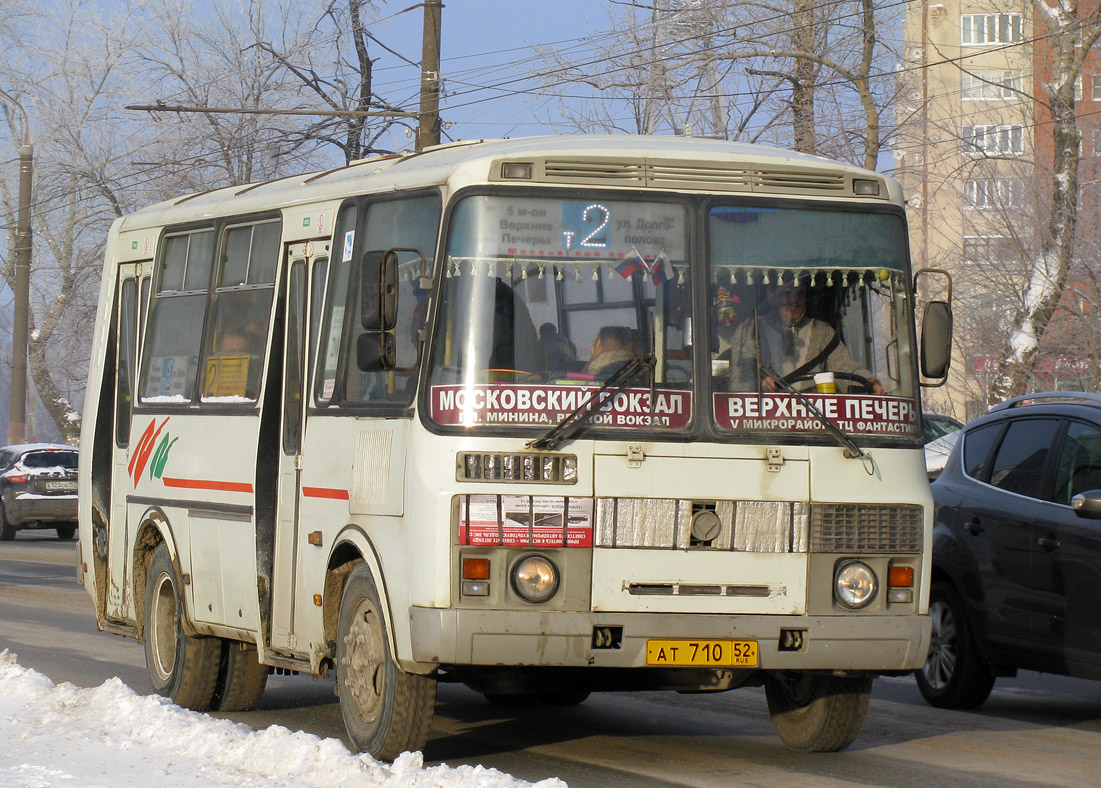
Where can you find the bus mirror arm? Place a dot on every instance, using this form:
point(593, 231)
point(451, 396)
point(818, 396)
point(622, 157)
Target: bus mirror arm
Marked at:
point(852, 451)
point(620, 379)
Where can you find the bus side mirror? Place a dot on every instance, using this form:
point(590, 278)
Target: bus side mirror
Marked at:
point(378, 290)
point(936, 341)
point(375, 351)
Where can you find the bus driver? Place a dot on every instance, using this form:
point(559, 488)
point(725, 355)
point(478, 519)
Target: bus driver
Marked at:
point(790, 342)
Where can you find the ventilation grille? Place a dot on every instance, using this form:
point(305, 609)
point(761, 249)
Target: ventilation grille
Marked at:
point(864, 528)
point(711, 176)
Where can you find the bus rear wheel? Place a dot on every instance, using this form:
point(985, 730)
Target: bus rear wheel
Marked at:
point(181, 667)
point(241, 678)
point(386, 710)
point(815, 712)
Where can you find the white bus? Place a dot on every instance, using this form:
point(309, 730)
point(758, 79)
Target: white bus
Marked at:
point(509, 414)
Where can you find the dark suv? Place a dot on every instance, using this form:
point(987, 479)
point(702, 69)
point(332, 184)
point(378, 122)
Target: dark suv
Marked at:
point(38, 488)
point(1017, 549)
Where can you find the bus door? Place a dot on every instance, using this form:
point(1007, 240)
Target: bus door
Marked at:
point(132, 296)
point(306, 275)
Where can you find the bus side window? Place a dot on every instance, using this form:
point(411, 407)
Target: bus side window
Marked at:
point(411, 223)
point(241, 313)
point(177, 315)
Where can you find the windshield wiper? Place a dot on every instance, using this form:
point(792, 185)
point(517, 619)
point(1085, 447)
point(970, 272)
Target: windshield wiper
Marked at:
point(620, 379)
point(852, 451)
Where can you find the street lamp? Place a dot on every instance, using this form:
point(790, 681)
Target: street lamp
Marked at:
point(17, 418)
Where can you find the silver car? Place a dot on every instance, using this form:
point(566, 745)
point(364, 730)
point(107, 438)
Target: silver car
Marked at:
point(38, 488)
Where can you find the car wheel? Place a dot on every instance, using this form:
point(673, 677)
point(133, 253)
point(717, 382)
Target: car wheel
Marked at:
point(386, 710)
point(66, 532)
point(181, 667)
point(954, 676)
point(241, 678)
point(815, 712)
point(7, 530)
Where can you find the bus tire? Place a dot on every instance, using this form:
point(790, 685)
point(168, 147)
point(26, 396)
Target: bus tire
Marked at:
point(386, 710)
point(65, 532)
point(815, 712)
point(181, 667)
point(241, 679)
point(954, 675)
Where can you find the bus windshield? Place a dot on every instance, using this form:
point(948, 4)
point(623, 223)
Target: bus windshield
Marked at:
point(545, 298)
point(810, 300)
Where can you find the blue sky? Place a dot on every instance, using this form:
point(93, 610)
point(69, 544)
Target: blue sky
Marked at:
point(483, 43)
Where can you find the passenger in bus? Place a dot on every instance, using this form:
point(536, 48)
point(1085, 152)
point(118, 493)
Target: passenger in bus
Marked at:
point(516, 346)
point(560, 353)
point(613, 347)
point(791, 342)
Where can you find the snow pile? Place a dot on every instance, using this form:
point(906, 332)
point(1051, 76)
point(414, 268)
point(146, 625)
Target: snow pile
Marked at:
point(110, 737)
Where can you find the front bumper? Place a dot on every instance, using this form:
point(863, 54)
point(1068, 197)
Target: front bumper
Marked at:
point(494, 637)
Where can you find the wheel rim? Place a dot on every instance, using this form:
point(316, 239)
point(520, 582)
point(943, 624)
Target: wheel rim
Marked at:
point(364, 667)
point(943, 647)
point(162, 619)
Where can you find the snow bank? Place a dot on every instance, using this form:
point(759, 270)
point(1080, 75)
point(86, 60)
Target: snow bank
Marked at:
point(109, 737)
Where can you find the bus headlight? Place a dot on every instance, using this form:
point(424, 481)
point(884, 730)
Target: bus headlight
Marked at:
point(535, 578)
point(855, 584)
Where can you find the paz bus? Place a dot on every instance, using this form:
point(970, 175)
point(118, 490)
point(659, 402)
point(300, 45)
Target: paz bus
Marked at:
point(470, 415)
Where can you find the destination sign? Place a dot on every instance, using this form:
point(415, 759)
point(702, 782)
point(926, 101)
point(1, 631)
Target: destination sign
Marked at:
point(596, 229)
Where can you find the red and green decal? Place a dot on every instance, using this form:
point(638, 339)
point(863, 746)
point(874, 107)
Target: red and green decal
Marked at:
point(145, 449)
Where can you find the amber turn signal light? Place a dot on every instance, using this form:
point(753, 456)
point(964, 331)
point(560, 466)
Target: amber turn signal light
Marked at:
point(475, 569)
point(900, 577)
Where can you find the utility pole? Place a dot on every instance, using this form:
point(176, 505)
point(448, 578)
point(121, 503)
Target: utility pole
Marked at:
point(428, 130)
point(17, 413)
point(17, 418)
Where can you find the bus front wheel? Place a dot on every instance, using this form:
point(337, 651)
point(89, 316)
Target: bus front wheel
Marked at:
point(815, 712)
point(241, 678)
point(386, 710)
point(181, 667)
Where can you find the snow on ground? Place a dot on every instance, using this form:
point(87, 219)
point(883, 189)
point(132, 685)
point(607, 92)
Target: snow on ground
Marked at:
point(62, 736)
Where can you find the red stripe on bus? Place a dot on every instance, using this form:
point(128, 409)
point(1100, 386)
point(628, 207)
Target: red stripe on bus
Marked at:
point(325, 492)
point(208, 484)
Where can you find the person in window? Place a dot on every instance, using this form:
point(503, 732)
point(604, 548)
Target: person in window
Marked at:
point(789, 341)
point(560, 353)
point(613, 347)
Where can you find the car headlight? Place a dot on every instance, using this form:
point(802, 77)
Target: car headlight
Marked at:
point(855, 584)
point(535, 578)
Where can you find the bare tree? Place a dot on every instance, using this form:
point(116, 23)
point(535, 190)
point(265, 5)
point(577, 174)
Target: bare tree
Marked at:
point(1069, 36)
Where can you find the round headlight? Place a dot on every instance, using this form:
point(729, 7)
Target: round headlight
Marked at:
point(535, 578)
point(855, 584)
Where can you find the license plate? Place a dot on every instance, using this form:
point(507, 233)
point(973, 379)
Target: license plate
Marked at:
point(705, 653)
point(61, 486)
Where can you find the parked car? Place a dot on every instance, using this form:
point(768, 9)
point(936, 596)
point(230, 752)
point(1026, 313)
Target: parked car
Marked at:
point(937, 425)
point(38, 488)
point(1016, 580)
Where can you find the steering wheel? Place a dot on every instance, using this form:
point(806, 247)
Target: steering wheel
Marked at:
point(863, 382)
point(518, 375)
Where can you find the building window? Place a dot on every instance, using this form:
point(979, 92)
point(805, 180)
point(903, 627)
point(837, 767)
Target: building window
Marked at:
point(988, 249)
point(987, 84)
point(1095, 138)
point(988, 194)
point(1078, 88)
point(1006, 139)
point(1096, 93)
point(979, 29)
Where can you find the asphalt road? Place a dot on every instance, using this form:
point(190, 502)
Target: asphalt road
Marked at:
point(1034, 731)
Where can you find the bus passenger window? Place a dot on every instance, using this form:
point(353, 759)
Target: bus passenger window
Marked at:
point(241, 313)
point(177, 317)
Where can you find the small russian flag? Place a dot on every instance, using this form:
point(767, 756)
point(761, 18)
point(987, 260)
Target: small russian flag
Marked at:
point(659, 269)
point(631, 263)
